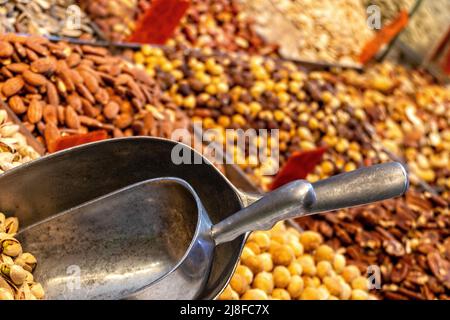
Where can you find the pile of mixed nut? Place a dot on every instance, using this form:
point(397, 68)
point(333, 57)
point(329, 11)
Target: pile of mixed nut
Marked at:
point(45, 17)
point(284, 264)
point(59, 89)
point(16, 266)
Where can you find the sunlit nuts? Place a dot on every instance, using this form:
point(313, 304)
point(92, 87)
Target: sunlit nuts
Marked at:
point(295, 268)
point(5, 294)
point(255, 294)
point(261, 238)
point(350, 273)
point(17, 274)
point(308, 265)
point(37, 290)
point(324, 252)
point(283, 255)
point(339, 263)
point(310, 240)
point(281, 276)
point(324, 269)
point(295, 287)
point(361, 283)
point(239, 283)
point(11, 247)
point(358, 294)
point(264, 281)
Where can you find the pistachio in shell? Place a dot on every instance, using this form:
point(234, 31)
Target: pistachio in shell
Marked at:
point(37, 290)
point(27, 261)
point(10, 246)
point(5, 295)
point(4, 284)
point(17, 274)
point(11, 225)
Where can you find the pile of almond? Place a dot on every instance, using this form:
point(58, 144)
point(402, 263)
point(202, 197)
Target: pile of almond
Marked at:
point(60, 89)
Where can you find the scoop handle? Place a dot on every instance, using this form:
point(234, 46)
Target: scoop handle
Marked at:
point(298, 198)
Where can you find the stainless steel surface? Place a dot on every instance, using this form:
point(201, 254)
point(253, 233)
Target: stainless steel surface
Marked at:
point(124, 242)
point(165, 269)
point(61, 181)
point(299, 198)
point(361, 186)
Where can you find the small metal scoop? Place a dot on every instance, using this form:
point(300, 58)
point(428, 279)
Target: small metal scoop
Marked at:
point(155, 240)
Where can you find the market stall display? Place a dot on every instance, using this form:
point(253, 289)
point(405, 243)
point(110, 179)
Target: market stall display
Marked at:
point(14, 149)
point(61, 89)
point(236, 64)
point(322, 31)
point(407, 238)
point(16, 266)
point(285, 264)
point(46, 17)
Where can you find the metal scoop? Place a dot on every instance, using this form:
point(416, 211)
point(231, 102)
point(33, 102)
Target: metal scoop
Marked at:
point(155, 239)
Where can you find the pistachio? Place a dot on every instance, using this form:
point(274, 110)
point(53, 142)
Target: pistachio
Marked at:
point(10, 246)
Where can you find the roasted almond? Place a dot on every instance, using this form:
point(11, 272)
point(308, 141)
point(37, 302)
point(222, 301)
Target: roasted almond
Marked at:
point(12, 86)
point(72, 119)
point(35, 79)
point(35, 110)
point(43, 66)
point(17, 67)
point(6, 49)
point(123, 120)
point(51, 135)
point(17, 105)
point(111, 110)
point(102, 96)
point(50, 114)
point(52, 94)
point(75, 102)
point(61, 113)
point(90, 81)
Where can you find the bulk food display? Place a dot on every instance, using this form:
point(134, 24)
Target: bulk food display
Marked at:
point(291, 66)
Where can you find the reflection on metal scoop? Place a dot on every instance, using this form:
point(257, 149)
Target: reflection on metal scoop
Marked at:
point(155, 240)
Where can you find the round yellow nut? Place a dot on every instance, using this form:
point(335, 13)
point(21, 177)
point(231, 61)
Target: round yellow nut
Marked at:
point(245, 272)
point(264, 282)
point(229, 294)
point(346, 292)
point(310, 240)
point(261, 238)
point(359, 295)
point(253, 246)
point(266, 261)
point(296, 246)
point(255, 294)
point(281, 294)
point(324, 252)
point(295, 268)
point(283, 255)
point(339, 263)
point(350, 273)
point(324, 269)
point(333, 285)
point(361, 283)
point(246, 254)
point(239, 283)
point(311, 294)
point(281, 277)
point(308, 266)
point(295, 287)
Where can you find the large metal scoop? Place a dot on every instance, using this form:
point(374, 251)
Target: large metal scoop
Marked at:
point(155, 240)
point(59, 182)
